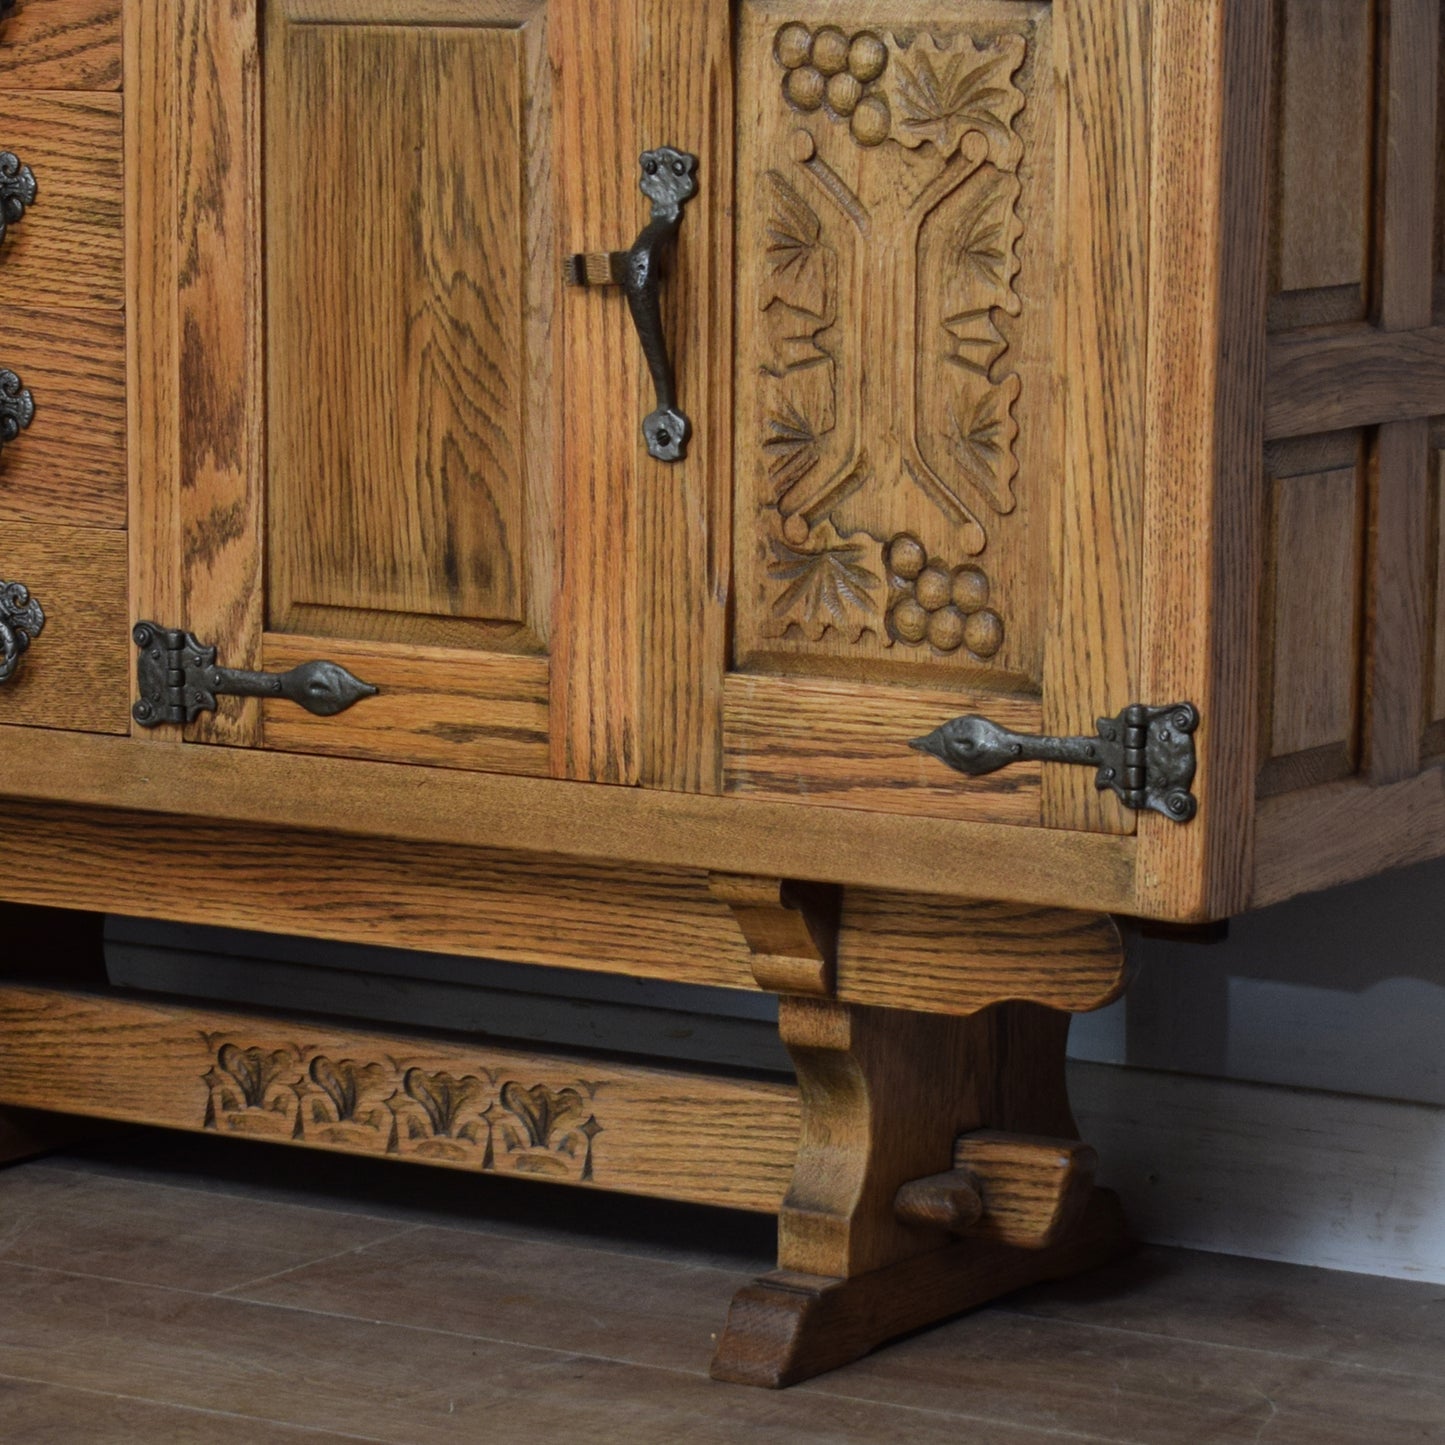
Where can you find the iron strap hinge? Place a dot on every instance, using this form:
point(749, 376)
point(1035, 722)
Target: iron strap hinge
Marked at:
point(178, 679)
point(1145, 755)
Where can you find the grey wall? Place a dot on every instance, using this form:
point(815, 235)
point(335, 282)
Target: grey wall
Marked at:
point(1343, 991)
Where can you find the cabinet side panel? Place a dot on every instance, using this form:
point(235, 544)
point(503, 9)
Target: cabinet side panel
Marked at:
point(395, 291)
point(1310, 652)
point(1324, 88)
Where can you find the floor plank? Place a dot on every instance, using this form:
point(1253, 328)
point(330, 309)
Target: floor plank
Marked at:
point(1393, 1326)
point(38, 1414)
point(396, 1384)
point(172, 1288)
point(130, 1230)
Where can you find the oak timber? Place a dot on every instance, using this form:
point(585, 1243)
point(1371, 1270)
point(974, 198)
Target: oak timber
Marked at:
point(67, 251)
point(61, 45)
point(1320, 193)
point(1330, 378)
point(68, 466)
point(541, 815)
point(74, 674)
point(197, 372)
point(437, 706)
point(1099, 594)
point(1203, 497)
point(845, 744)
point(587, 1122)
point(666, 922)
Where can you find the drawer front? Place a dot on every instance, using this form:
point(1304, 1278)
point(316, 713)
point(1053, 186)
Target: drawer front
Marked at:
point(68, 465)
point(67, 250)
point(76, 673)
point(61, 45)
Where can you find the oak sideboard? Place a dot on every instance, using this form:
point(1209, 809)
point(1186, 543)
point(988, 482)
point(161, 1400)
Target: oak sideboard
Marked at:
point(854, 500)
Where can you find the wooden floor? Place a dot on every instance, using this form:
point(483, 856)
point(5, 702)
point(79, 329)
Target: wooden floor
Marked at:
point(198, 1290)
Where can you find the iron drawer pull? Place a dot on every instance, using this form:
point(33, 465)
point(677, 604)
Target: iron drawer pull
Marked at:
point(17, 407)
point(669, 181)
point(21, 621)
point(17, 187)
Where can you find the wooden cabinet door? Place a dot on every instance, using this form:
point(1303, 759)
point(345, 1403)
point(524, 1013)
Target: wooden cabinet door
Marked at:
point(410, 275)
point(941, 337)
point(369, 426)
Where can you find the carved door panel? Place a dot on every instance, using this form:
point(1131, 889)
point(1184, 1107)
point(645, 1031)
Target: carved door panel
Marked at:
point(939, 394)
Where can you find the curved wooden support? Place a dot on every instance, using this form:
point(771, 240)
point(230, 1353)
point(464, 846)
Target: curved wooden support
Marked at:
point(788, 1327)
point(915, 1129)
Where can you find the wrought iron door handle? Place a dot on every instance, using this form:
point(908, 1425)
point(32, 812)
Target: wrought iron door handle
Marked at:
point(21, 621)
point(17, 407)
point(17, 186)
point(178, 680)
point(669, 181)
point(1145, 754)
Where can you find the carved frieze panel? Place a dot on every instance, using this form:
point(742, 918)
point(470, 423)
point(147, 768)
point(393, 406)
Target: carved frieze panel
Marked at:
point(893, 388)
point(479, 1119)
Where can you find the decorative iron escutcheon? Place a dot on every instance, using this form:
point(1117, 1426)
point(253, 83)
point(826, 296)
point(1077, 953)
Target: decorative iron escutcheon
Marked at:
point(669, 181)
point(17, 186)
point(1145, 754)
point(17, 407)
point(178, 680)
point(21, 621)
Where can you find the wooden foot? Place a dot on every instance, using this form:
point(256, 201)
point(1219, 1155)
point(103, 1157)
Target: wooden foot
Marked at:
point(937, 1168)
point(787, 1327)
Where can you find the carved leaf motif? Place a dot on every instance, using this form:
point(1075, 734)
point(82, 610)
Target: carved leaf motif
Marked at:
point(798, 261)
point(443, 1097)
point(985, 235)
point(825, 583)
point(253, 1069)
point(982, 433)
point(791, 446)
point(977, 343)
point(343, 1083)
point(541, 1111)
point(940, 96)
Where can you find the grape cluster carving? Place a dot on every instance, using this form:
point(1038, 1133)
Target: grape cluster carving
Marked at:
point(828, 69)
point(947, 607)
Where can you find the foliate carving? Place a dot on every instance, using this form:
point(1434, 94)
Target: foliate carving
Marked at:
point(480, 1119)
point(887, 231)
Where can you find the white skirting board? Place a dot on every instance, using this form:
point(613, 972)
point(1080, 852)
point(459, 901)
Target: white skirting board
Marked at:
point(1331, 1180)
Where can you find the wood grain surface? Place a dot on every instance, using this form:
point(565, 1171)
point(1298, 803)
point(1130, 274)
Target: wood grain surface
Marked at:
point(62, 45)
point(542, 815)
point(395, 340)
point(1312, 593)
point(845, 744)
point(1204, 489)
point(598, 642)
point(1321, 182)
point(1329, 378)
point(75, 674)
point(69, 465)
point(67, 251)
point(442, 707)
point(590, 1122)
point(1096, 603)
point(897, 950)
point(196, 373)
